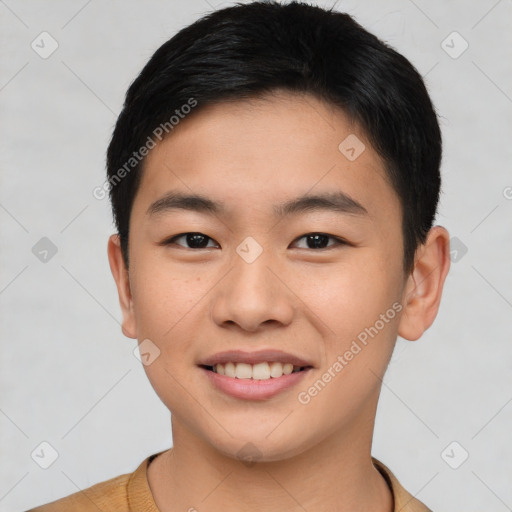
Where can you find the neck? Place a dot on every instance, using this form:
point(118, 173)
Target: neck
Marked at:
point(335, 474)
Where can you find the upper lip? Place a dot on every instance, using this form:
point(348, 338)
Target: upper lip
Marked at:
point(259, 356)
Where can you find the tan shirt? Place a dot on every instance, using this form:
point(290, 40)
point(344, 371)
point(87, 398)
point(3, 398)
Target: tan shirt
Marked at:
point(131, 493)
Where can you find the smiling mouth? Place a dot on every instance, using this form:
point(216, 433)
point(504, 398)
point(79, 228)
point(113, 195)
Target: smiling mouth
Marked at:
point(259, 371)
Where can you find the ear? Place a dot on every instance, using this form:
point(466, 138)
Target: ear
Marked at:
point(121, 277)
point(424, 286)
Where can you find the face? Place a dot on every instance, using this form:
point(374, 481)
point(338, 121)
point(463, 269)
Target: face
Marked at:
point(321, 280)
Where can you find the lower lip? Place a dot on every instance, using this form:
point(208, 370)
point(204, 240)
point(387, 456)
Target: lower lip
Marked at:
point(253, 389)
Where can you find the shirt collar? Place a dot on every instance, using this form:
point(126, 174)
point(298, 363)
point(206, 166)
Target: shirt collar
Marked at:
point(140, 498)
point(403, 500)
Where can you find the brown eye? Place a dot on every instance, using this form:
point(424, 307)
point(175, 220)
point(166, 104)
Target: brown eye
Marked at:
point(319, 241)
point(195, 240)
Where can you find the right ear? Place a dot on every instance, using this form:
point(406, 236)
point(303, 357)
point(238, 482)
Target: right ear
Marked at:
point(121, 277)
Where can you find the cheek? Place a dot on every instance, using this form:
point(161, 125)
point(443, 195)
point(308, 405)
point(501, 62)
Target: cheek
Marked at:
point(164, 297)
point(359, 309)
point(349, 297)
point(356, 303)
point(165, 305)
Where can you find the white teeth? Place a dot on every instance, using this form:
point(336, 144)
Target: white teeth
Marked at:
point(287, 368)
point(259, 371)
point(243, 371)
point(229, 370)
point(276, 369)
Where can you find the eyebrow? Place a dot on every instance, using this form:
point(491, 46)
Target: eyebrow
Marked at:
point(338, 202)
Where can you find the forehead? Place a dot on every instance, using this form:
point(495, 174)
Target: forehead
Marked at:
point(257, 153)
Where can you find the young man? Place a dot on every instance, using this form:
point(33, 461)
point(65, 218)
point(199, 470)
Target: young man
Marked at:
point(274, 177)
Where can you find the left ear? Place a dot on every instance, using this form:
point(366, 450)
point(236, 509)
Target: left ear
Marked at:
point(424, 287)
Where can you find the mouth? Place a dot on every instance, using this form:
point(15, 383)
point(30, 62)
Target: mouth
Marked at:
point(265, 370)
point(259, 380)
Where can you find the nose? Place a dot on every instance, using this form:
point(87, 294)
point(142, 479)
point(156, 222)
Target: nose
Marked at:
point(253, 294)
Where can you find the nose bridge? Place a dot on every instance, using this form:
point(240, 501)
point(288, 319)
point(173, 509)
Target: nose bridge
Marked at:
point(250, 276)
point(252, 294)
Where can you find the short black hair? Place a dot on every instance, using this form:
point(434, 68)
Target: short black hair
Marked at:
point(247, 50)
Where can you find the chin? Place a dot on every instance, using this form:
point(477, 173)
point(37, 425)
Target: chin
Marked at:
point(257, 448)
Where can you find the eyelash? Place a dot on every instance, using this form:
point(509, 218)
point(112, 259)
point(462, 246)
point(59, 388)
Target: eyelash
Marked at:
point(339, 241)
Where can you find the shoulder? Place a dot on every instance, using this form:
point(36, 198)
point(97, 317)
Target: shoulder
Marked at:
point(111, 495)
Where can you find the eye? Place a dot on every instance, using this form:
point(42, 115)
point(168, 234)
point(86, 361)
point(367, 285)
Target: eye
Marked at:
point(200, 241)
point(316, 240)
point(196, 240)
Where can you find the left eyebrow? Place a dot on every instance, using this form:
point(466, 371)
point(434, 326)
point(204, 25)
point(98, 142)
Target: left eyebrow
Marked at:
point(338, 201)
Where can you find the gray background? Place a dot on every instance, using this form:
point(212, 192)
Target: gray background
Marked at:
point(69, 376)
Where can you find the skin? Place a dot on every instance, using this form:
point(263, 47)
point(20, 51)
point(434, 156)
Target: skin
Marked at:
point(194, 302)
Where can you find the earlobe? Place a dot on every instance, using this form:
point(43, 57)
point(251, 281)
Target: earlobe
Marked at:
point(121, 278)
point(424, 287)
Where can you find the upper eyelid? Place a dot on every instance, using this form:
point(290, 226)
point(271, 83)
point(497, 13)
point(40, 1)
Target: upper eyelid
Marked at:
point(339, 240)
